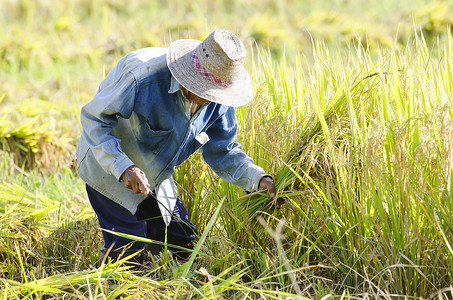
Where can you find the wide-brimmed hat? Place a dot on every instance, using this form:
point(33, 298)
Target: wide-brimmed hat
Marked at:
point(212, 69)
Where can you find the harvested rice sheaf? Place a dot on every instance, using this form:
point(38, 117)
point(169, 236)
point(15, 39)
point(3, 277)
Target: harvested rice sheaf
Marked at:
point(32, 145)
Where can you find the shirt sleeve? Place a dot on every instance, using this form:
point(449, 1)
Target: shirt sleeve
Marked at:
point(227, 158)
point(114, 99)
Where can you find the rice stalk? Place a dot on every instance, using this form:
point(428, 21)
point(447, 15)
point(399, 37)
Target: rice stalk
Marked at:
point(374, 161)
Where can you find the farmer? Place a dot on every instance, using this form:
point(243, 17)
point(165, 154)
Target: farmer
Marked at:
point(154, 109)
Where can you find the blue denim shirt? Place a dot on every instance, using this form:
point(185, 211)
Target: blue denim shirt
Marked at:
point(139, 116)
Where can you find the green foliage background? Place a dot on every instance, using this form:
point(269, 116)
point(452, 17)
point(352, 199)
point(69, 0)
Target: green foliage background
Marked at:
point(55, 53)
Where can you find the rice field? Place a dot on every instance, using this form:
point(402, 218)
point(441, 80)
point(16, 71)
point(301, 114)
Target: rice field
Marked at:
point(352, 116)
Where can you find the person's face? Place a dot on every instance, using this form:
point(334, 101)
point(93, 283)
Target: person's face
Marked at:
point(194, 98)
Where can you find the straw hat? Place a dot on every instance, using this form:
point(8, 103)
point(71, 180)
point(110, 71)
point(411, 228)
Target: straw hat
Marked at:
point(212, 69)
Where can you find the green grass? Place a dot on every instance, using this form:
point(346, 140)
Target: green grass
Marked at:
point(356, 135)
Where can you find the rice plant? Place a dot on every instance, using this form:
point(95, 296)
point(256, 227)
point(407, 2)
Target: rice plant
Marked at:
point(372, 169)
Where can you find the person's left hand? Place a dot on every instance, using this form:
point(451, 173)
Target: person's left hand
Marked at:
point(267, 183)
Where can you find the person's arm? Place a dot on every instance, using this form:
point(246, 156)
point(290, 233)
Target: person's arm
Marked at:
point(227, 159)
point(114, 99)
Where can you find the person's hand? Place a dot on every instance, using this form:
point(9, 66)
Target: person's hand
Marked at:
point(267, 184)
point(135, 179)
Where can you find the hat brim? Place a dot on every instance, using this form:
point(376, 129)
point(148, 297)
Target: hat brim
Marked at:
point(179, 61)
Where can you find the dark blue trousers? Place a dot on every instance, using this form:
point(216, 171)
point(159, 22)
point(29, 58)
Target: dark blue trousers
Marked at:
point(147, 222)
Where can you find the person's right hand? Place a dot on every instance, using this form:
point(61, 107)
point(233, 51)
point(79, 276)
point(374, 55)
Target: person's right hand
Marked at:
point(135, 179)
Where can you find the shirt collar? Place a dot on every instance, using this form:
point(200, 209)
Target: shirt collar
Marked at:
point(174, 85)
